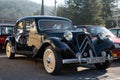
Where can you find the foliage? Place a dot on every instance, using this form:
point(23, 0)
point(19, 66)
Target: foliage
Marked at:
point(91, 12)
point(87, 11)
point(19, 8)
point(108, 5)
point(110, 23)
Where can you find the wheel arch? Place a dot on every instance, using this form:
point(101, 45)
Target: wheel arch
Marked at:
point(55, 43)
point(40, 52)
point(9, 39)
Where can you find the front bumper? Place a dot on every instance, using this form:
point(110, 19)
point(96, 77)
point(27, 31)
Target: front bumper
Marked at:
point(86, 60)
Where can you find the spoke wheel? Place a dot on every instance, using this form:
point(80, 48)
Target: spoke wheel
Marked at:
point(9, 51)
point(52, 61)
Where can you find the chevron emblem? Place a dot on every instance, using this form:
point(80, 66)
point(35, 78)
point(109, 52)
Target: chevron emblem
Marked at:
point(84, 44)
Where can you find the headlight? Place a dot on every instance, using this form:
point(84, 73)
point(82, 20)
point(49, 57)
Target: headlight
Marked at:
point(100, 36)
point(68, 35)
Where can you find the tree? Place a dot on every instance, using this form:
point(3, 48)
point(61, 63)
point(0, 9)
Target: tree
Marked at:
point(91, 12)
point(107, 11)
point(83, 11)
point(108, 5)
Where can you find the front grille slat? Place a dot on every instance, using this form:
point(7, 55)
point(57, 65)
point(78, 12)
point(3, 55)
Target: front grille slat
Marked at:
point(84, 44)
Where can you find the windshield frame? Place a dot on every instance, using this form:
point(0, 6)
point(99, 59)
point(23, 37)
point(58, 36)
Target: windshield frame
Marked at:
point(52, 20)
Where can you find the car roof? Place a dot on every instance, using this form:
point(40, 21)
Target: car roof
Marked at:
point(43, 17)
point(85, 26)
point(114, 28)
point(8, 25)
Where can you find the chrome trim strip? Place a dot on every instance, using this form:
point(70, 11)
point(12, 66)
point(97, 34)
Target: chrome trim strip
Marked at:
point(76, 60)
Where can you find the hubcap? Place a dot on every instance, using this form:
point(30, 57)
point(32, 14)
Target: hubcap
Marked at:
point(49, 60)
point(8, 49)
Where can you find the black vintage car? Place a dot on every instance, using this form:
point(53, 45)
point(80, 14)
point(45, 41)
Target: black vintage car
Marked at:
point(54, 40)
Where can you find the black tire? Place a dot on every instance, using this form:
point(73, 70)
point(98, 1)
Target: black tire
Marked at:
point(52, 61)
point(8, 51)
point(103, 66)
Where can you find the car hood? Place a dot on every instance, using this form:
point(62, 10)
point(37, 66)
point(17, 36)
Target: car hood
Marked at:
point(115, 39)
point(60, 33)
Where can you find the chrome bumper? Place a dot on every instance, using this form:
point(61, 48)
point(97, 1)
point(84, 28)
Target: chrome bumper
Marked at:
point(82, 60)
point(67, 61)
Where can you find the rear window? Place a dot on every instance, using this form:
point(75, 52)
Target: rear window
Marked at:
point(7, 30)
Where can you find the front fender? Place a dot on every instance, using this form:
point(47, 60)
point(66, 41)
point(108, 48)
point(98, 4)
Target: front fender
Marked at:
point(58, 45)
point(103, 45)
point(10, 39)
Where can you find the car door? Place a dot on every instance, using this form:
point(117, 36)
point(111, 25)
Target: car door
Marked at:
point(21, 37)
point(34, 39)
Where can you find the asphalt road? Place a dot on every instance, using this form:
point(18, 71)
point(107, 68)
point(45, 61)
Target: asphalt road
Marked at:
point(24, 68)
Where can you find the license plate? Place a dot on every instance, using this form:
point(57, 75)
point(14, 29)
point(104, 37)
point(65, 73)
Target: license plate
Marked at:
point(95, 60)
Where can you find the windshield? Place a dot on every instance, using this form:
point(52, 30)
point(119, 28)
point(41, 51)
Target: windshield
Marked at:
point(95, 30)
point(54, 25)
point(6, 30)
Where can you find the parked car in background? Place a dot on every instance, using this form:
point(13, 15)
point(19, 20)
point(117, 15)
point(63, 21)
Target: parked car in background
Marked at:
point(94, 30)
point(115, 31)
point(53, 40)
point(5, 31)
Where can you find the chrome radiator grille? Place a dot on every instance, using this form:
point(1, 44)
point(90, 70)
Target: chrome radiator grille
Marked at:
point(85, 45)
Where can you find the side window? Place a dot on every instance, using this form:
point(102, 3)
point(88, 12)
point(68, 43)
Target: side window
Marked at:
point(3, 30)
point(114, 32)
point(19, 28)
point(30, 26)
point(118, 33)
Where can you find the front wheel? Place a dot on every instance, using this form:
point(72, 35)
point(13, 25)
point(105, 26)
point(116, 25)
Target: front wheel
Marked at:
point(107, 63)
point(8, 51)
point(103, 66)
point(52, 61)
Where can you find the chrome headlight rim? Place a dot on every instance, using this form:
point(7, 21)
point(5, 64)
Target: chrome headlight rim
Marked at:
point(68, 35)
point(101, 36)
point(103, 53)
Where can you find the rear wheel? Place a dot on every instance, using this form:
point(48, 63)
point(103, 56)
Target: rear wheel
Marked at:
point(52, 61)
point(8, 50)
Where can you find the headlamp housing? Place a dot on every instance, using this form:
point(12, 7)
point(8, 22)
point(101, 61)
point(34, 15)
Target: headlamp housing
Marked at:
point(100, 36)
point(68, 35)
